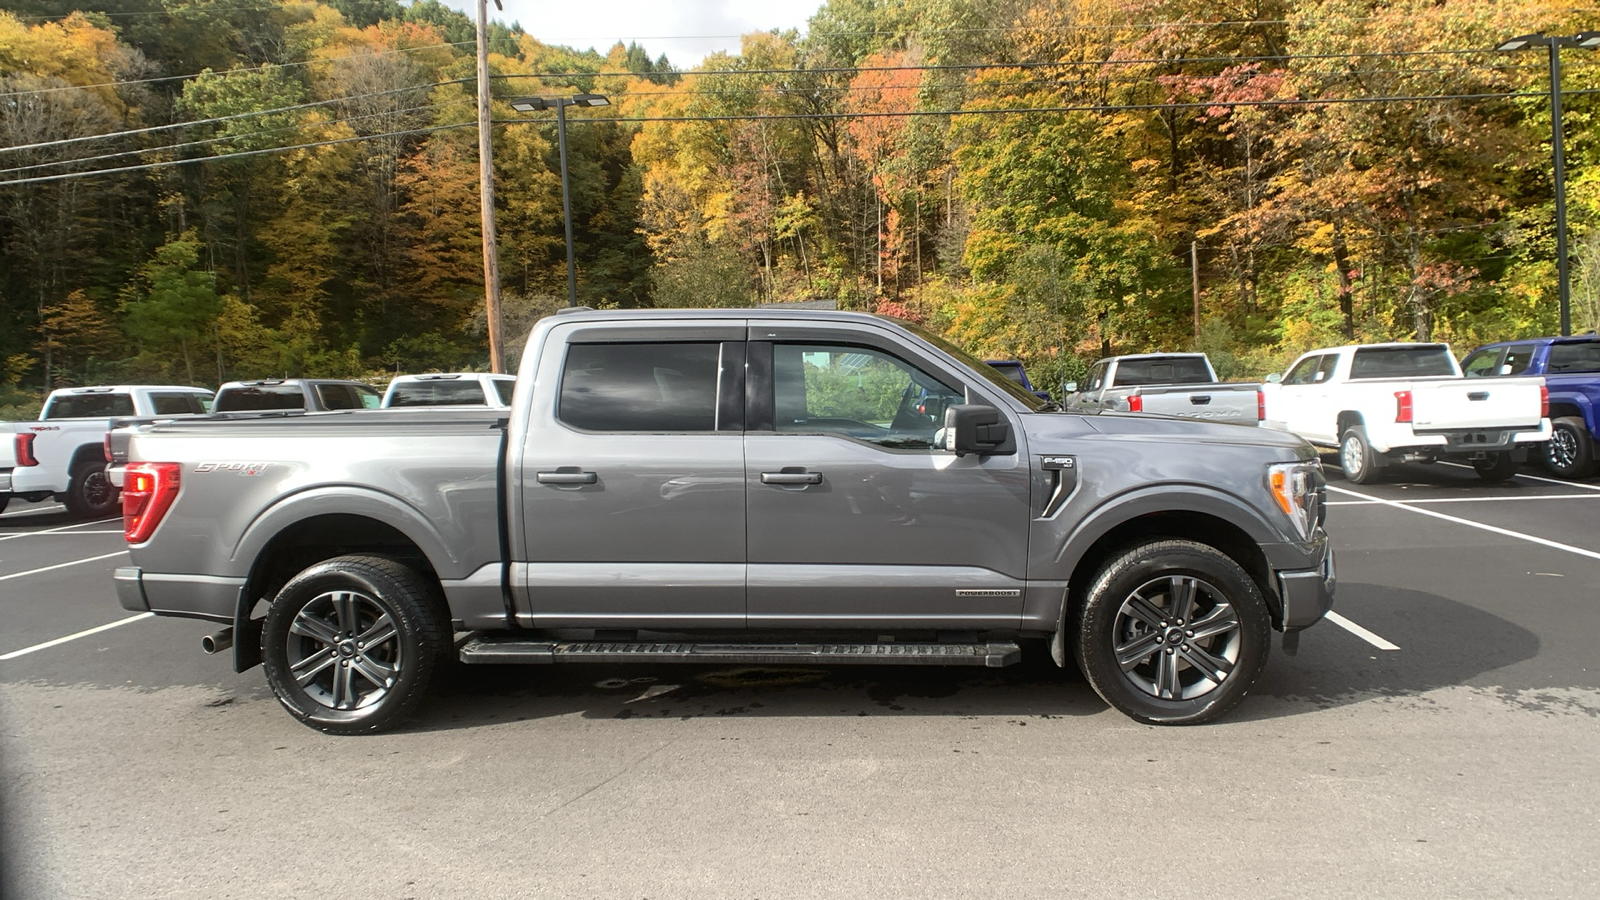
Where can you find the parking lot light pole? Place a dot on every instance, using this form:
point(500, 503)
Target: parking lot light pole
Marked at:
point(1589, 40)
point(560, 104)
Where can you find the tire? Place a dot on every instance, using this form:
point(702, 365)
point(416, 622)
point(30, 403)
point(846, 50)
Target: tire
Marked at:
point(90, 493)
point(322, 671)
point(1570, 451)
point(1496, 467)
point(5, 500)
point(1135, 605)
point(1356, 459)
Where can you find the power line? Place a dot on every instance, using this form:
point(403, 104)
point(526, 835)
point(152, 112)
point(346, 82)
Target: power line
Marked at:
point(1325, 101)
point(288, 65)
point(1100, 108)
point(190, 145)
point(243, 153)
point(212, 121)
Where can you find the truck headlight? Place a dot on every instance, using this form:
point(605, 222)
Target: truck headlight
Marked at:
point(1298, 489)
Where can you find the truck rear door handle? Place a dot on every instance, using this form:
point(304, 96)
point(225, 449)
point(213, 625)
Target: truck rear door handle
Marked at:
point(1478, 395)
point(567, 477)
point(791, 477)
point(1199, 399)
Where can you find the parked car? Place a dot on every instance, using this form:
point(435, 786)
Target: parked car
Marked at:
point(1013, 370)
point(1168, 384)
point(1379, 403)
point(1570, 367)
point(735, 486)
point(450, 389)
point(287, 394)
point(62, 454)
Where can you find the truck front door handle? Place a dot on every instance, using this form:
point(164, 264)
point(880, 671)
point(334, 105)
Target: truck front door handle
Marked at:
point(791, 477)
point(567, 477)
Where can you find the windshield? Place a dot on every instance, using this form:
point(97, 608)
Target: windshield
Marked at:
point(990, 373)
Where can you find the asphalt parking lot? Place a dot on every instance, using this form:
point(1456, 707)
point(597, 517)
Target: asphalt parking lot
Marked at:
point(1439, 738)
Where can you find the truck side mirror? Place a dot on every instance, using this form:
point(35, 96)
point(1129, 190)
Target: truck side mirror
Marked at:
point(1069, 387)
point(978, 429)
point(1274, 378)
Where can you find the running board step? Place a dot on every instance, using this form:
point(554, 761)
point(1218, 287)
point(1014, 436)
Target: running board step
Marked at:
point(496, 649)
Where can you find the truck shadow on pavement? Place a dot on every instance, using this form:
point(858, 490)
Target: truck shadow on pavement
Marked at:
point(1443, 643)
point(1034, 688)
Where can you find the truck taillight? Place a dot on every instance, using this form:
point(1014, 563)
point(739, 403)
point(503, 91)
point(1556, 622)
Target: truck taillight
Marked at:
point(148, 490)
point(1402, 406)
point(24, 445)
point(1136, 403)
point(1261, 406)
point(1544, 401)
point(106, 446)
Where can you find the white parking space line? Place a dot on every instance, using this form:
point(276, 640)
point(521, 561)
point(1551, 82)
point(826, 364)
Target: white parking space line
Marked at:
point(1570, 484)
point(20, 512)
point(75, 562)
point(1591, 497)
point(64, 529)
point(1470, 524)
point(72, 637)
point(1349, 626)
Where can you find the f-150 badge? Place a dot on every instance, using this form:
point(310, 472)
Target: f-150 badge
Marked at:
point(1057, 463)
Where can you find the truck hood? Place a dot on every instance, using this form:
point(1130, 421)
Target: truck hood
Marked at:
point(1163, 429)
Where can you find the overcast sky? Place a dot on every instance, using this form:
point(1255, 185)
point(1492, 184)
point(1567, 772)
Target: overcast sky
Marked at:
point(685, 30)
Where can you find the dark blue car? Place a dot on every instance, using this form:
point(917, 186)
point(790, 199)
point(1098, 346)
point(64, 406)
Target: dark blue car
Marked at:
point(1571, 370)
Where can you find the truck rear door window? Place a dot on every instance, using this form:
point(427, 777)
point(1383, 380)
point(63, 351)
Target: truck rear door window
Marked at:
point(505, 387)
point(1567, 358)
point(90, 406)
point(1422, 361)
point(1177, 370)
point(640, 387)
point(177, 404)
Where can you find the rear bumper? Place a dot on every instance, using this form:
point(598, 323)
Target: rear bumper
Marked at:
point(1307, 594)
point(188, 596)
point(1468, 440)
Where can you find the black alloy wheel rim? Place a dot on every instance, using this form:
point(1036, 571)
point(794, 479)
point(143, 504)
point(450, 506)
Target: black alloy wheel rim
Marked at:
point(1563, 448)
point(344, 650)
point(97, 489)
point(1177, 638)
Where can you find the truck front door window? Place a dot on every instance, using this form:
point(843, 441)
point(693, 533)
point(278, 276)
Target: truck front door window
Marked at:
point(857, 392)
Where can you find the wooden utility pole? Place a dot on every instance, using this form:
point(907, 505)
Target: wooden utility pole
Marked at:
point(1194, 276)
point(491, 256)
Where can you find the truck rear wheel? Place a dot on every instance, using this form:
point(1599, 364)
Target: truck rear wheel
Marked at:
point(1497, 466)
point(90, 492)
point(351, 644)
point(1570, 450)
point(1172, 633)
point(1356, 457)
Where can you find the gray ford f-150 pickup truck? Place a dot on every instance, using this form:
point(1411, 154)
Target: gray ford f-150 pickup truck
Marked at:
point(745, 486)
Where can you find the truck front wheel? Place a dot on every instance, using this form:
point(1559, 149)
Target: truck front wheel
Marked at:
point(89, 492)
point(1172, 633)
point(1570, 451)
point(351, 644)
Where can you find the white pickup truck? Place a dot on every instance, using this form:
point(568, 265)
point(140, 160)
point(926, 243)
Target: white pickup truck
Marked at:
point(450, 389)
point(1379, 403)
point(66, 446)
